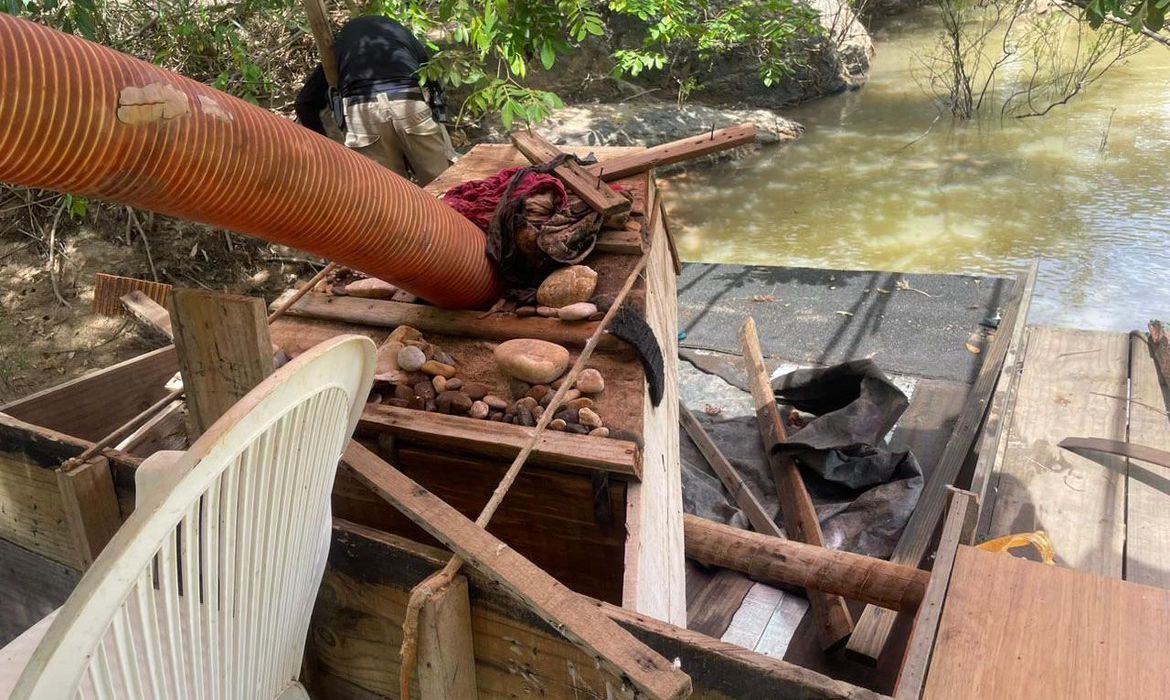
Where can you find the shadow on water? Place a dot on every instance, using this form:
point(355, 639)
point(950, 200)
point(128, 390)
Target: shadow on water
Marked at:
point(1082, 189)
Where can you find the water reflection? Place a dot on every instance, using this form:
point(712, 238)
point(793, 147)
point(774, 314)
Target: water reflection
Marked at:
point(1084, 189)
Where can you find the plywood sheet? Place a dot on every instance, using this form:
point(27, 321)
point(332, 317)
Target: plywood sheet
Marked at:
point(1147, 546)
point(1074, 383)
point(31, 511)
point(1017, 629)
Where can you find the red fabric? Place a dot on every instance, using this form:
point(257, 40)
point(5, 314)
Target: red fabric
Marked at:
point(477, 199)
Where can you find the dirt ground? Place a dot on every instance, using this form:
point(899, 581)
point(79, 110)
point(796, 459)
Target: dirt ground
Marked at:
point(48, 335)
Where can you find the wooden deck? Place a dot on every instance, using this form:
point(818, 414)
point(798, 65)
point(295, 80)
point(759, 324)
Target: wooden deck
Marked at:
point(1107, 515)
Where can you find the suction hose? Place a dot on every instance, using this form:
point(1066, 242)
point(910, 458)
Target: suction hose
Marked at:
point(81, 118)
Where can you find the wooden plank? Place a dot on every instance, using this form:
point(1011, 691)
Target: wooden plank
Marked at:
point(504, 440)
point(1073, 383)
point(592, 189)
point(655, 573)
point(619, 242)
point(224, 350)
point(91, 507)
point(834, 622)
point(149, 312)
point(962, 512)
point(1020, 629)
point(446, 652)
point(471, 324)
point(731, 479)
point(357, 630)
point(875, 624)
point(713, 608)
point(750, 621)
point(1003, 400)
point(780, 562)
point(92, 405)
point(108, 291)
point(1147, 536)
point(31, 587)
point(607, 644)
point(782, 626)
point(674, 152)
point(32, 514)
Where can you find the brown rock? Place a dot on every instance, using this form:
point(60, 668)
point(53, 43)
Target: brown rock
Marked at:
point(518, 389)
point(527, 402)
point(434, 367)
point(547, 311)
point(400, 403)
point(569, 415)
point(556, 383)
point(583, 402)
point(590, 381)
point(538, 392)
point(479, 409)
point(442, 355)
point(495, 402)
point(524, 417)
point(512, 409)
point(576, 312)
point(556, 424)
point(597, 316)
point(370, 288)
point(525, 311)
point(431, 406)
point(530, 360)
point(374, 397)
point(572, 394)
point(439, 382)
point(402, 334)
point(538, 412)
point(455, 384)
point(567, 285)
point(404, 392)
point(589, 418)
point(476, 390)
point(576, 428)
point(411, 359)
point(600, 432)
point(453, 402)
point(425, 391)
point(388, 358)
point(497, 416)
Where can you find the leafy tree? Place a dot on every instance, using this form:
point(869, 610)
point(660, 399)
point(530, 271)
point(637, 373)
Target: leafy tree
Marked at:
point(1148, 14)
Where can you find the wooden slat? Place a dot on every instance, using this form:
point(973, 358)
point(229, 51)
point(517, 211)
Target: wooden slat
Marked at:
point(428, 319)
point(92, 405)
point(875, 624)
point(1147, 537)
point(608, 645)
point(224, 350)
point(674, 152)
point(108, 291)
point(782, 562)
point(834, 622)
point(731, 479)
point(446, 650)
point(32, 514)
point(593, 190)
point(149, 312)
point(504, 440)
point(31, 587)
point(620, 242)
point(91, 507)
point(713, 608)
point(961, 514)
point(1013, 628)
point(357, 630)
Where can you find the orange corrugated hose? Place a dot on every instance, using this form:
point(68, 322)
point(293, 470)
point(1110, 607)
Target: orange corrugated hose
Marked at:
point(80, 118)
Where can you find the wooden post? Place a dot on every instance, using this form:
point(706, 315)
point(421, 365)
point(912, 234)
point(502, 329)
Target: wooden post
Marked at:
point(834, 623)
point(780, 562)
point(224, 350)
point(323, 35)
point(446, 654)
point(91, 506)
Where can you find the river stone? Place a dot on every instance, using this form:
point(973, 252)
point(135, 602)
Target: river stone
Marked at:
point(434, 367)
point(525, 311)
point(453, 402)
point(600, 432)
point(425, 391)
point(411, 358)
point(576, 428)
point(518, 389)
point(479, 409)
point(583, 402)
point(397, 402)
point(572, 395)
point(455, 384)
point(476, 390)
point(568, 285)
point(497, 416)
point(547, 311)
point(370, 288)
point(404, 392)
point(576, 312)
point(556, 424)
point(388, 358)
point(530, 360)
point(524, 417)
point(590, 381)
point(538, 392)
point(569, 415)
point(589, 418)
point(495, 402)
point(402, 334)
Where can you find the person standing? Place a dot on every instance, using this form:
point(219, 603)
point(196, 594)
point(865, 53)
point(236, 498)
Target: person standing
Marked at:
point(386, 116)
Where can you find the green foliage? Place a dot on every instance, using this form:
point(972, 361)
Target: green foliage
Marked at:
point(1139, 14)
point(73, 16)
point(76, 205)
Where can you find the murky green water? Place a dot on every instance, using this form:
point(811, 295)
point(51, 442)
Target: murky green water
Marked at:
point(1086, 189)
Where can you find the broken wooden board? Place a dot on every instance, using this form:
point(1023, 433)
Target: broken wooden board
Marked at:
point(594, 190)
point(108, 291)
point(149, 312)
point(674, 152)
point(1019, 629)
point(608, 645)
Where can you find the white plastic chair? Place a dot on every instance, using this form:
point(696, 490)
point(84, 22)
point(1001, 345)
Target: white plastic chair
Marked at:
point(207, 589)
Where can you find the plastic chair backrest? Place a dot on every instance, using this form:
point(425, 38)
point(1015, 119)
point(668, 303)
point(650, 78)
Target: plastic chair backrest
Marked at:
point(207, 589)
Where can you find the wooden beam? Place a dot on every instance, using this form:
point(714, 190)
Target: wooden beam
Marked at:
point(590, 188)
point(323, 36)
point(224, 350)
point(875, 624)
point(149, 312)
point(834, 623)
point(446, 653)
point(91, 506)
point(674, 152)
point(961, 516)
point(471, 324)
point(357, 629)
point(731, 479)
point(503, 440)
point(608, 645)
point(780, 562)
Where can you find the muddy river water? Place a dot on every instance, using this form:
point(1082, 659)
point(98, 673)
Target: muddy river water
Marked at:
point(1084, 189)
